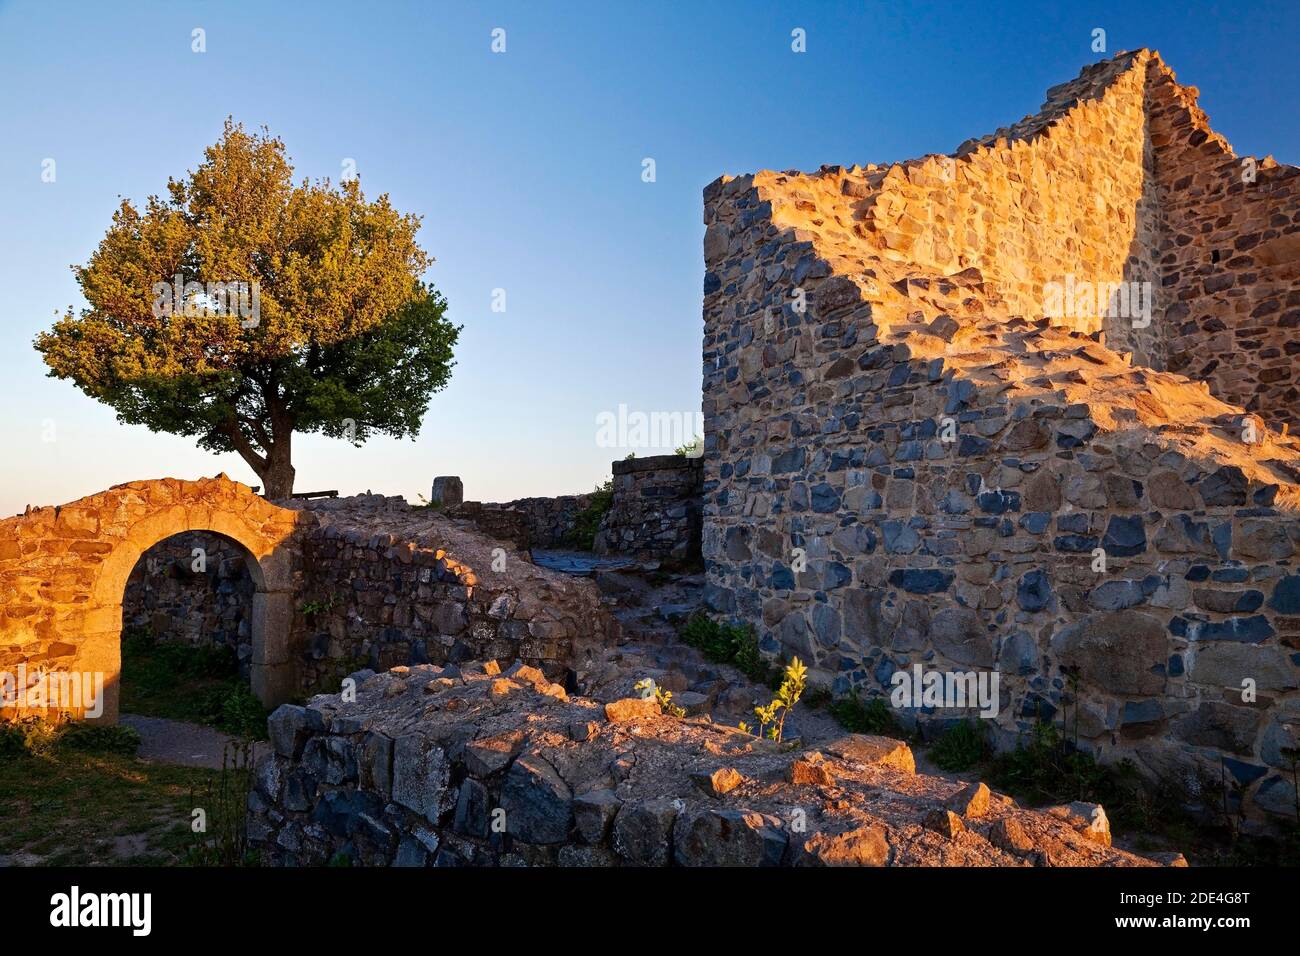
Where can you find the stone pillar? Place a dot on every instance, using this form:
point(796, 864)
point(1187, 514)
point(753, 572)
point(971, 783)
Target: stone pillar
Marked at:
point(273, 674)
point(447, 491)
point(102, 654)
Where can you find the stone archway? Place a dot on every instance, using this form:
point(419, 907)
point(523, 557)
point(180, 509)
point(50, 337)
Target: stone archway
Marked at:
point(63, 571)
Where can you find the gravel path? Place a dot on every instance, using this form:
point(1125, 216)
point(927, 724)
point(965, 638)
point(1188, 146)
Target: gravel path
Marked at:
point(176, 742)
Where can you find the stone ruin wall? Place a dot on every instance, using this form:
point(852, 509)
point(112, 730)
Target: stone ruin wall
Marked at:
point(367, 599)
point(391, 585)
point(547, 522)
point(655, 512)
point(1229, 259)
point(371, 594)
point(336, 584)
point(823, 434)
point(1065, 192)
point(172, 601)
point(473, 765)
point(64, 571)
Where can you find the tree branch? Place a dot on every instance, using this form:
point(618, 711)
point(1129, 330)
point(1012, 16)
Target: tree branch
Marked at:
point(259, 432)
point(245, 449)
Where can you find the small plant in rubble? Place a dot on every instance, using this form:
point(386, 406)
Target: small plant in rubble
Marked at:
point(771, 719)
point(665, 697)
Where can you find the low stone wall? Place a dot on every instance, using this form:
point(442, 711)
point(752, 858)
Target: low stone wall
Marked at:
point(654, 513)
point(656, 509)
point(165, 595)
point(503, 522)
point(469, 766)
point(387, 584)
point(549, 521)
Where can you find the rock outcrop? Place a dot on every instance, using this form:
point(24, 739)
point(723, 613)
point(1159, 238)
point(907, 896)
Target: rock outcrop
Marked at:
point(475, 766)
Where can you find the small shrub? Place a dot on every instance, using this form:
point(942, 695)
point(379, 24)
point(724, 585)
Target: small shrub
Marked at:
point(734, 644)
point(224, 802)
point(587, 521)
point(27, 736)
point(748, 660)
point(872, 717)
point(960, 747)
point(1047, 768)
point(771, 719)
point(98, 738)
point(313, 609)
point(243, 714)
point(708, 637)
point(663, 697)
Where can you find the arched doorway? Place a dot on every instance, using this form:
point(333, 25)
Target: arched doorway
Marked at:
point(270, 568)
point(187, 633)
point(64, 569)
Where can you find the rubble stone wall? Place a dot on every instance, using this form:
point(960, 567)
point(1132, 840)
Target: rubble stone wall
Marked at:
point(387, 584)
point(1229, 259)
point(1065, 193)
point(654, 513)
point(550, 521)
point(656, 509)
point(165, 595)
point(908, 463)
point(477, 766)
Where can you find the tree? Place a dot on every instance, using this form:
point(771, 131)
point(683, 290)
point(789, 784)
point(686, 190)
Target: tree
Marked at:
point(241, 309)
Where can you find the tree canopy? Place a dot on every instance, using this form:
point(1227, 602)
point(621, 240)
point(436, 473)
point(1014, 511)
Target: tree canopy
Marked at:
point(243, 308)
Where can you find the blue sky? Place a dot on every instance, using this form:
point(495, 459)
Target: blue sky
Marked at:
point(527, 169)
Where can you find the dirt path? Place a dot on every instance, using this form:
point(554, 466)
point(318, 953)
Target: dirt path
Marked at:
point(177, 742)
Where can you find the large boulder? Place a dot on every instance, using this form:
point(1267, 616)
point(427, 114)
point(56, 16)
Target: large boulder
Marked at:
point(959, 635)
point(709, 837)
point(537, 802)
point(1122, 652)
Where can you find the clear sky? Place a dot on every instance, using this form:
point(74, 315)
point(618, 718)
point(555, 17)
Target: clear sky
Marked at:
point(527, 167)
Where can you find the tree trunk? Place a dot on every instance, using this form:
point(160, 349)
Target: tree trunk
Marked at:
point(277, 479)
point(278, 474)
point(275, 466)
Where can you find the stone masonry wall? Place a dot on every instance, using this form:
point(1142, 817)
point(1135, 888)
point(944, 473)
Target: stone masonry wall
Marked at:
point(655, 512)
point(387, 584)
point(165, 594)
point(1229, 259)
point(64, 569)
point(907, 463)
point(1063, 193)
point(549, 521)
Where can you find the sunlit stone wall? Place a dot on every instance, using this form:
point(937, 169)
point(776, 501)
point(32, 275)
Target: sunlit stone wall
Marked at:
point(909, 461)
